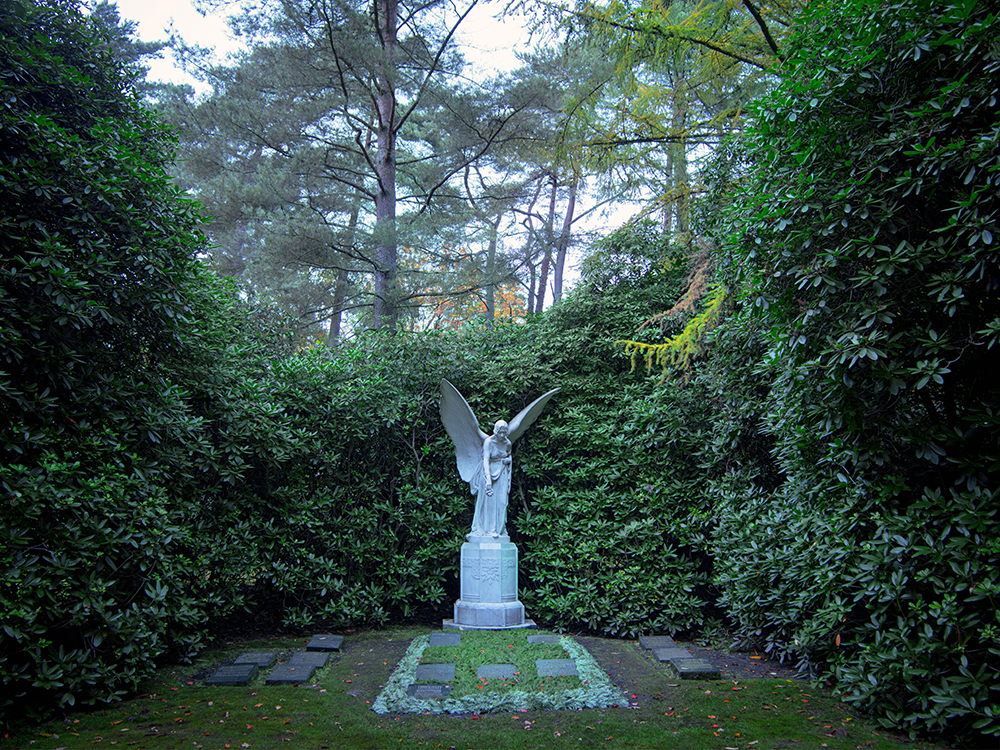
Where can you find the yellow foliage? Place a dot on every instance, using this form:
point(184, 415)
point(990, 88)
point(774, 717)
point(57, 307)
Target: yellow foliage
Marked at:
point(677, 353)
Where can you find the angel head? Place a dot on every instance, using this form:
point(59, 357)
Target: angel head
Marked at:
point(501, 429)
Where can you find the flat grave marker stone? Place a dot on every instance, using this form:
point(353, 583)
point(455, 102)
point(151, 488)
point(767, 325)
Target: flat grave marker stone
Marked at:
point(436, 672)
point(445, 639)
point(656, 641)
point(428, 692)
point(543, 639)
point(231, 675)
point(286, 674)
point(326, 642)
point(670, 654)
point(260, 658)
point(696, 669)
point(496, 671)
point(308, 659)
point(556, 667)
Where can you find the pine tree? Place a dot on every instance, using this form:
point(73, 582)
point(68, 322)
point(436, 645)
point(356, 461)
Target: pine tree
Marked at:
point(339, 138)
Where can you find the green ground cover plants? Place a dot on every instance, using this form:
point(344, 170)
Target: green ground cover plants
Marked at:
point(482, 647)
point(175, 710)
point(525, 690)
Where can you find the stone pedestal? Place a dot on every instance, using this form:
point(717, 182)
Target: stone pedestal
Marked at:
point(489, 586)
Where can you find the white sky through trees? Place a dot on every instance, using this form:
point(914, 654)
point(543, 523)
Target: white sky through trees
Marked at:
point(488, 44)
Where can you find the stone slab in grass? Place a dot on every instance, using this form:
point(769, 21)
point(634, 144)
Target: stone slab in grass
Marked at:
point(428, 692)
point(556, 667)
point(325, 642)
point(446, 639)
point(656, 641)
point(496, 671)
point(696, 669)
point(595, 689)
point(232, 674)
point(308, 658)
point(286, 674)
point(543, 639)
point(261, 659)
point(669, 654)
point(436, 672)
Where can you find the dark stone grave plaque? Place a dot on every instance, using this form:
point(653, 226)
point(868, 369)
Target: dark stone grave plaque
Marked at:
point(670, 654)
point(232, 674)
point(556, 667)
point(428, 692)
point(543, 639)
point(496, 671)
point(286, 674)
point(325, 643)
point(656, 641)
point(308, 659)
point(261, 658)
point(696, 669)
point(446, 639)
point(435, 672)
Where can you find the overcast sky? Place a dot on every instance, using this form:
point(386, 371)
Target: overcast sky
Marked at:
point(486, 41)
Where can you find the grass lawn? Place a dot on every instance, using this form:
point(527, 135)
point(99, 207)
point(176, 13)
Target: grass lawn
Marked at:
point(334, 710)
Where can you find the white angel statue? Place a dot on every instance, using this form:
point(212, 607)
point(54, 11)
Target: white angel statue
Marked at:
point(484, 460)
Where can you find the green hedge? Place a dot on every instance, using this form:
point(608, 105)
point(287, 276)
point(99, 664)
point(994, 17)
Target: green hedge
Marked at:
point(236, 476)
point(857, 525)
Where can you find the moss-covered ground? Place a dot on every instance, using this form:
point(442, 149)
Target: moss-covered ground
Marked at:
point(334, 711)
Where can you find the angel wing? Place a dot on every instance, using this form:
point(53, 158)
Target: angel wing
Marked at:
point(463, 429)
point(528, 415)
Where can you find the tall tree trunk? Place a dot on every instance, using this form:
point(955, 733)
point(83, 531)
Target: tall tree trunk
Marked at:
point(339, 295)
point(667, 200)
point(386, 312)
point(340, 290)
point(563, 243)
point(543, 274)
point(529, 261)
point(680, 161)
point(491, 273)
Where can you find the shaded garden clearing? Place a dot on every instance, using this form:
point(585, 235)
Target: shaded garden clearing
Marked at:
point(334, 709)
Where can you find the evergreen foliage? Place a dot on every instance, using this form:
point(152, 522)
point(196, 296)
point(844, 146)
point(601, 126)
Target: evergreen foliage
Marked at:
point(863, 243)
point(99, 299)
point(334, 147)
point(96, 243)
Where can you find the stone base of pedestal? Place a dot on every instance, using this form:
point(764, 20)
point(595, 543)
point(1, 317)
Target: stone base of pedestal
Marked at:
point(489, 586)
point(452, 625)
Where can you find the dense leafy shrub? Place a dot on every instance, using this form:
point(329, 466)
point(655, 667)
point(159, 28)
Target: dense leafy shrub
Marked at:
point(100, 578)
point(864, 239)
point(105, 545)
point(613, 534)
point(96, 243)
